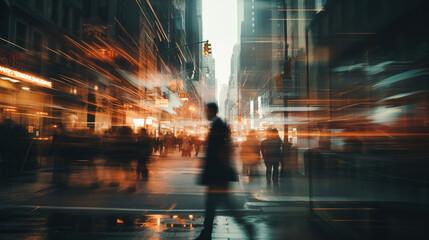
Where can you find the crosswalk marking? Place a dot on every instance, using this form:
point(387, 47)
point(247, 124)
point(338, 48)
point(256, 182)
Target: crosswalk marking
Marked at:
point(143, 210)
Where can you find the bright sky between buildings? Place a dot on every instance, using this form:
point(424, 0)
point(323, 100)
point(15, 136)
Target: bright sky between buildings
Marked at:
point(220, 28)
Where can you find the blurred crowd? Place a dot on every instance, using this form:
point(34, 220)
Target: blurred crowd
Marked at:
point(122, 150)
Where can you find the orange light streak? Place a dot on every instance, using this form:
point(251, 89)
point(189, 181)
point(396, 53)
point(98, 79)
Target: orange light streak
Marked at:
point(290, 19)
point(125, 31)
point(298, 10)
point(13, 44)
point(356, 33)
point(359, 134)
point(159, 25)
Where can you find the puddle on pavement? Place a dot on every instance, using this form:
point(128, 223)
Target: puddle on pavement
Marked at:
point(124, 223)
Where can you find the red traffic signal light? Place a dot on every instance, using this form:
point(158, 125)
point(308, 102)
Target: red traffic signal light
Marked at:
point(207, 49)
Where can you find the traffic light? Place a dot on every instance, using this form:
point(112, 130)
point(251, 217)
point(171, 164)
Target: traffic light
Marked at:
point(207, 49)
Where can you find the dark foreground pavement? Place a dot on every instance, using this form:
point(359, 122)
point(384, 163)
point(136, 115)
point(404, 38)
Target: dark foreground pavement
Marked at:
point(169, 204)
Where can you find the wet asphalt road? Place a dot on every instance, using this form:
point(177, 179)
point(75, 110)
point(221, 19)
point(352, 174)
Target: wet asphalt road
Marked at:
point(169, 204)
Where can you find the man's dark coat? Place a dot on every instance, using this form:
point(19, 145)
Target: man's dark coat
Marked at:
point(216, 168)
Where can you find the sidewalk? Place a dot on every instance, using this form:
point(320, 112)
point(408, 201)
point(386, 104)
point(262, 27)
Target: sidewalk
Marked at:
point(38, 182)
point(44, 224)
point(168, 206)
point(28, 184)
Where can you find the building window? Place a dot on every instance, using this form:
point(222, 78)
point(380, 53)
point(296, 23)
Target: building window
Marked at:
point(52, 46)
point(63, 60)
point(21, 34)
point(4, 20)
point(66, 16)
point(55, 11)
point(103, 10)
point(37, 41)
point(39, 5)
point(76, 24)
point(87, 9)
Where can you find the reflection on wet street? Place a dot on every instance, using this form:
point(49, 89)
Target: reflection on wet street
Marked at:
point(167, 204)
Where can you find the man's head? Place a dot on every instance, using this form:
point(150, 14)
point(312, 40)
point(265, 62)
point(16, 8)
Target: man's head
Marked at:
point(211, 110)
point(275, 133)
point(143, 131)
point(272, 133)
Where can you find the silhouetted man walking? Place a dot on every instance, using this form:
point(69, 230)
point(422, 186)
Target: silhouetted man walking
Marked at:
point(272, 151)
point(217, 172)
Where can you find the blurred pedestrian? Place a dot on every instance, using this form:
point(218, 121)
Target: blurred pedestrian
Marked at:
point(60, 153)
point(162, 151)
point(197, 145)
point(249, 153)
point(156, 144)
point(186, 147)
point(272, 152)
point(143, 150)
point(169, 142)
point(217, 172)
point(179, 141)
point(119, 147)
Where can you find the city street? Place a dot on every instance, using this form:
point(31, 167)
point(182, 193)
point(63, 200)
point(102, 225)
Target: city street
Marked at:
point(125, 119)
point(168, 205)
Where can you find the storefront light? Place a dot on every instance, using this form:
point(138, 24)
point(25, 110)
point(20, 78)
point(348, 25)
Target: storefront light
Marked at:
point(10, 79)
point(24, 77)
point(138, 123)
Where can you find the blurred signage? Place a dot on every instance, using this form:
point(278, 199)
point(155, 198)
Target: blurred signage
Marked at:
point(161, 102)
point(108, 53)
point(138, 123)
point(184, 97)
point(9, 110)
point(103, 53)
point(25, 77)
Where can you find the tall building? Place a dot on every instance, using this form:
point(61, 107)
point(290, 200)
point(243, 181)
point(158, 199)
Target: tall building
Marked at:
point(272, 67)
point(232, 97)
point(97, 64)
point(40, 82)
point(209, 84)
point(262, 44)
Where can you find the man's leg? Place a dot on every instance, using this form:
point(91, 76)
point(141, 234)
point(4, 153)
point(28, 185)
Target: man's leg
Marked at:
point(211, 201)
point(238, 216)
point(282, 167)
point(268, 172)
point(139, 167)
point(144, 170)
point(276, 172)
